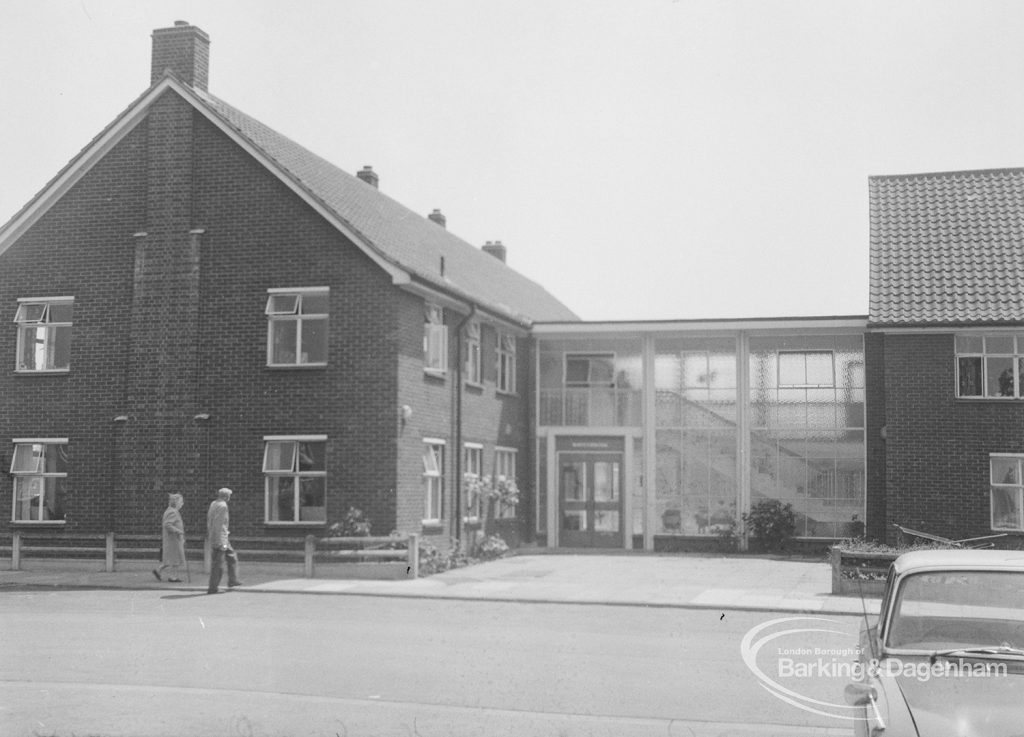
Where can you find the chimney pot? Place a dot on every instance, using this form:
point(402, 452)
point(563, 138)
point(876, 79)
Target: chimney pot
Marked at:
point(496, 249)
point(185, 50)
point(438, 218)
point(368, 175)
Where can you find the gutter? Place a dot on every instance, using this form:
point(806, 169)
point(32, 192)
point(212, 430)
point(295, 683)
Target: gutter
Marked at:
point(457, 512)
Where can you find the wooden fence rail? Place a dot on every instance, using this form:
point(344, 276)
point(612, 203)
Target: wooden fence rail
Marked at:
point(309, 549)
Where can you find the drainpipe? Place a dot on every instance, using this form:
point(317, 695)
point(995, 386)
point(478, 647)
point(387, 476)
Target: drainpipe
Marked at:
point(457, 521)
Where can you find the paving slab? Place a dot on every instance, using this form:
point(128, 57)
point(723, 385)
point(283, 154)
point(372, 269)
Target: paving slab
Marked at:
point(764, 583)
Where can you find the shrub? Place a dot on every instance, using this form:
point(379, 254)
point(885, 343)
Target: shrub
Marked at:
point(353, 524)
point(434, 561)
point(772, 523)
point(491, 548)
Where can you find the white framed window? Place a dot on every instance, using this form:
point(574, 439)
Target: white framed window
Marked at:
point(807, 369)
point(297, 326)
point(435, 340)
point(590, 369)
point(40, 469)
point(474, 362)
point(44, 333)
point(990, 366)
point(506, 363)
point(1007, 491)
point(295, 478)
point(472, 471)
point(433, 479)
point(505, 470)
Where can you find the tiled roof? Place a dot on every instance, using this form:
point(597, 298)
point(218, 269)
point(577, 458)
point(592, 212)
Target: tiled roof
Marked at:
point(411, 241)
point(947, 248)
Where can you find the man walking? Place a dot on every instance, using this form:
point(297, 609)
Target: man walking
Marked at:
point(217, 535)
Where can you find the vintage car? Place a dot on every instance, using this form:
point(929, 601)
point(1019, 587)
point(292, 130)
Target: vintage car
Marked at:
point(946, 656)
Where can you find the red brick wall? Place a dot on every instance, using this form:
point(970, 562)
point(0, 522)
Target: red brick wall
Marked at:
point(171, 325)
point(937, 451)
point(488, 417)
point(259, 235)
point(82, 247)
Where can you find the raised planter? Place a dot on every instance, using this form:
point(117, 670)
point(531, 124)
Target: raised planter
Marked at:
point(859, 573)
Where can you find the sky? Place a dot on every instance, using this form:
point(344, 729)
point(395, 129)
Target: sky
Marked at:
point(641, 159)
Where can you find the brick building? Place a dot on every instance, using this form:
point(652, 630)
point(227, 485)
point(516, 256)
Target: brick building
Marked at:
point(946, 351)
point(200, 302)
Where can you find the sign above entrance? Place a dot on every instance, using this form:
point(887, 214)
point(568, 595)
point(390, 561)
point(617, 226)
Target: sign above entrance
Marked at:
point(589, 443)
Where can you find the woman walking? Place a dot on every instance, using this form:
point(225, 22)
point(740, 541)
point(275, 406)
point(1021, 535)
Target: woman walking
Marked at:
point(173, 539)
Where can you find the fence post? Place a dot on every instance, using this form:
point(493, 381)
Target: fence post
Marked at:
point(414, 555)
point(16, 550)
point(207, 556)
point(310, 550)
point(110, 552)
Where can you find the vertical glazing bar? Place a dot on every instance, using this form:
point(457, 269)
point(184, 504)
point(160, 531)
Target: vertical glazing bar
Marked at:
point(649, 445)
point(743, 430)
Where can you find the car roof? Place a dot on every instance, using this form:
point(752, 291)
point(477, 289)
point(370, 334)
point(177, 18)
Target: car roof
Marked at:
point(971, 559)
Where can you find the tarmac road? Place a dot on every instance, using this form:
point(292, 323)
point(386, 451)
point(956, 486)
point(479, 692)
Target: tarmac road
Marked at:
point(150, 662)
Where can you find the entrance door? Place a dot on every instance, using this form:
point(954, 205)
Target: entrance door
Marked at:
point(590, 500)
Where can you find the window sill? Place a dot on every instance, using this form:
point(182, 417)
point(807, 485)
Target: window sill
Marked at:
point(39, 523)
point(473, 385)
point(989, 399)
point(435, 373)
point(286, 366)
point(40, 372)
point(432, 527)
point(304, 523)
point(504, 393)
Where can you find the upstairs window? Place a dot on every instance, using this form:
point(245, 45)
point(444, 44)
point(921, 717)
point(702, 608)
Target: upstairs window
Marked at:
point(297, 327)
point(295, 479)
point(807, 369)
point(590, 370)
point(506, 363)
point(990, 366)
point(474, 363)
point(435, 341)
point(1007, 489)
point(44, 334)
point(40, 470)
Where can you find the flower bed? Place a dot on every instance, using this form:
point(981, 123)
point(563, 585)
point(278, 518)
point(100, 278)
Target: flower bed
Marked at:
point(859, 568)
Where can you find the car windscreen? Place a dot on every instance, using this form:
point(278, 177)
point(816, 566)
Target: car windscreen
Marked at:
point(937, 610)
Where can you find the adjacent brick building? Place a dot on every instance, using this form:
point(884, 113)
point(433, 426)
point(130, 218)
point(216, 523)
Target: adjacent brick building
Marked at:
point(200, 302)
point(947, 353)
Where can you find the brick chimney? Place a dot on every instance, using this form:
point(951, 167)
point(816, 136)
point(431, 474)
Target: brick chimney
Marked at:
point(183, 49)
point(496, 249)
point(368, 175)
point(438, 218)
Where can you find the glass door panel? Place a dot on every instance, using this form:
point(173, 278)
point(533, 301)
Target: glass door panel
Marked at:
point(590, 499)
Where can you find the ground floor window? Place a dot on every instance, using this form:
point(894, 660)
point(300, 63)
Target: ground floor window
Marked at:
point(505, 469)
point(472, 471)
point(433, 479)
point(295, 478)
point(1007, 491)
point(40, 469)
